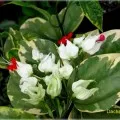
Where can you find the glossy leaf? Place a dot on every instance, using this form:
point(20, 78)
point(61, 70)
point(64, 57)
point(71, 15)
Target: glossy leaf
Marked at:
point(93, 12)
point(40, 28)
point(105, 70)
point(71, 16)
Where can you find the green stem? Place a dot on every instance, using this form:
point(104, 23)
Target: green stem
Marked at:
point(68, 109)
point(39, 78)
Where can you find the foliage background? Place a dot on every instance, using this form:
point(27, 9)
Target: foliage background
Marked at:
point(17, 15)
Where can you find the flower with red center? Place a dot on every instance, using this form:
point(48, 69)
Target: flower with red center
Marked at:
point(64, 39)
point(92, 44)
point(13, 64)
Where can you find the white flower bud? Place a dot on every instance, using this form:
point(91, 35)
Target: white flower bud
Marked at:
point(54, 85)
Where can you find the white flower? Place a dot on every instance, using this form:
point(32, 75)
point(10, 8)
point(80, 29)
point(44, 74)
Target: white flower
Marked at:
point(47, 64)
point(78, 41)
point(90, 44)
point(29, 86)
point(24, 70)
point(66, 70)
point(80, 91)
point(36, 95)
point(69, 51)
point(54, 87)
point(36, 55)
point(26, 83)
point(48, 79)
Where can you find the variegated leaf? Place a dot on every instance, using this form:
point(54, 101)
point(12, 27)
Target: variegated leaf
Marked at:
point(12, 113)
point(105, 71)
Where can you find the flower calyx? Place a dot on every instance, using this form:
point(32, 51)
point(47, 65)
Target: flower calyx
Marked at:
point(64, 39)
point(13, 64)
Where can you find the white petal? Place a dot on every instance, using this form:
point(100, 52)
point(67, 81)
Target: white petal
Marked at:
point(47, 64)
point(48, 79)
point(26, 83)
point(72, 50)
point(35, 54)
point(81, 83)
point(24, 87)
point(36, 95)
point(62, 52)
point(54, 87)
point(24, 70)
point(95, 48)
point(89, 43)
point(66, 71)
point(80, 90)
point(30, 80)
point(85, 93)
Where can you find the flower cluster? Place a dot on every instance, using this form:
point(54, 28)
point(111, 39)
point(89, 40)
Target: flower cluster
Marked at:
point(56, 72)
point(29, 85)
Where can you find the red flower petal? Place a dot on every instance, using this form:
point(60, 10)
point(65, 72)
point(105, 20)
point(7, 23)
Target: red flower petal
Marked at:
point(101, 38)
point(13, 64)
point(69, 35)
point(13, 60)
point(64, 39)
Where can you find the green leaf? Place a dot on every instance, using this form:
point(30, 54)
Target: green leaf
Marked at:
point(112, 113)
point(31, 5)
point(13, 53)
point(16, 97)
point(12, 42)
point(93, 12)
point(111, 43)
point(12, 113)
point(2, 63)
point(71, 16)
point(38, 28)
point(105, 70)
point(44, 46)
point(28, 11)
